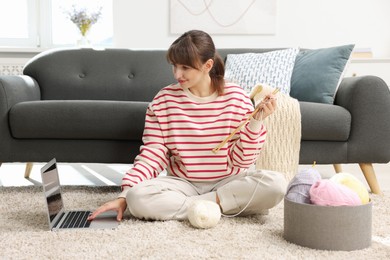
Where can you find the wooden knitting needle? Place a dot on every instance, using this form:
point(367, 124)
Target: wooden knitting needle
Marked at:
point(218, 147)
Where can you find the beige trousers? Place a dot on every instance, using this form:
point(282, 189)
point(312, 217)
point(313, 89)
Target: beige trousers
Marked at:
point(168, 197)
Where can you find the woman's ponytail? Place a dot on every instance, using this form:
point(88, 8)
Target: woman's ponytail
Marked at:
point(217, 74)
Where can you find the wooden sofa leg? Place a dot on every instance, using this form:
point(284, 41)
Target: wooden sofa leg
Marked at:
point(337, 168)
point(369, 174)
point(27, 173)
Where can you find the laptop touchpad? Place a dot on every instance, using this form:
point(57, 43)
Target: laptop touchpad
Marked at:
point(105, 220)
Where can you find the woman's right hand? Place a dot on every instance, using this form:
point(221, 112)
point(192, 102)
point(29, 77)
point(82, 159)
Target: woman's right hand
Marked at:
point(119, 205)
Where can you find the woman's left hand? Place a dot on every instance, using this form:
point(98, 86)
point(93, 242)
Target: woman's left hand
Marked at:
point(267, 107)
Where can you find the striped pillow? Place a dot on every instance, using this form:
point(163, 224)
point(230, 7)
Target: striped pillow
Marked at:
point(273, 68)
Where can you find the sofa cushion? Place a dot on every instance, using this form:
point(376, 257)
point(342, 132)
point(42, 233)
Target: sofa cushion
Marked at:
point(273, 68)
point(318, 73)
point(106, 120)
point(93, 74)
point(324, 122)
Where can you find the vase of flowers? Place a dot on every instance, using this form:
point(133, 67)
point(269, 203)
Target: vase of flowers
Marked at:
point(84, 21)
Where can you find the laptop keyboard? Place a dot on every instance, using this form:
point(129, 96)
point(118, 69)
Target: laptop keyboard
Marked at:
point(76, 219)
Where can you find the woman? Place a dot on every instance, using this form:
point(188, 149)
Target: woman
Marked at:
point(183, 124)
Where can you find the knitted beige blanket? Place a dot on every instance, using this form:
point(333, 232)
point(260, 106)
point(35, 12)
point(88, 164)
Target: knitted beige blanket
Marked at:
point(281, 150)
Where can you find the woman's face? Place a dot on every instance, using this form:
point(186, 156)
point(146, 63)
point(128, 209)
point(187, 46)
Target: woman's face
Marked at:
point(189, 77)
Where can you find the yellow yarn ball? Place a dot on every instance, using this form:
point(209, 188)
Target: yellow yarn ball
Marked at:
point(353, 183)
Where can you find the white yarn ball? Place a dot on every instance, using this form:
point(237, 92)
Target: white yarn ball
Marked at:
point(204, 214)
point(259, 96)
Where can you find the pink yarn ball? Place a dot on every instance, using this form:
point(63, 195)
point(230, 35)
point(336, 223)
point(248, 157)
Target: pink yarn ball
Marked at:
point(329, 193)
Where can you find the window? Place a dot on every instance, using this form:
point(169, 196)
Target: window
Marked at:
point(18, 23)
point(45, 23)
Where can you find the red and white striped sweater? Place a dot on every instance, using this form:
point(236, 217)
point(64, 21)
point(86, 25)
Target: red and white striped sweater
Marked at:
point(181, 130)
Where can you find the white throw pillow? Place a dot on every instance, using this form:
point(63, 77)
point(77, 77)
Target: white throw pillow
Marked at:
point(273, 68)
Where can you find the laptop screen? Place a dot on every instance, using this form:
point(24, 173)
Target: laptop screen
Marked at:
point(51, 187)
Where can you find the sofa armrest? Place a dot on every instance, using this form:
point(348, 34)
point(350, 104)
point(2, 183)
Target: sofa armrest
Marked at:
point(15, 89)
point(367, 98)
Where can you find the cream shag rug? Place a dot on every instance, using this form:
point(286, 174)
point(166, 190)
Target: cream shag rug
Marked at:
point(24, 235)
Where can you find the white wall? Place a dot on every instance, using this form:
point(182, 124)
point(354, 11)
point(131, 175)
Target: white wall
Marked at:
point(144, 24)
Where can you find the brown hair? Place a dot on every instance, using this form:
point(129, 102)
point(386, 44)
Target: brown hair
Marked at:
point(193, 49)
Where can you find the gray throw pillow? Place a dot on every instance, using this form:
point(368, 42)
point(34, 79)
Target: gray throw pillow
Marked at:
point(318, 73)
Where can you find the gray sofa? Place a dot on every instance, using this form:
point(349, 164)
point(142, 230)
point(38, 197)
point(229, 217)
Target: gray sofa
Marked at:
point(85, 105)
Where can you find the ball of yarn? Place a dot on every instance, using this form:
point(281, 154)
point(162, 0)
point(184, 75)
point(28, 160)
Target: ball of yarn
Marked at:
point(353, 183)
point(204, 214)
point(298, 189)
point(329, 193)
point(258, 96)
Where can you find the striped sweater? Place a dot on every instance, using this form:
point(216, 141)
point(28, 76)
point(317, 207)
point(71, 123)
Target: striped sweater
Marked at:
point(181, 130)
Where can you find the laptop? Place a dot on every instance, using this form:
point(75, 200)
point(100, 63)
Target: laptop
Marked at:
point(59, 218)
